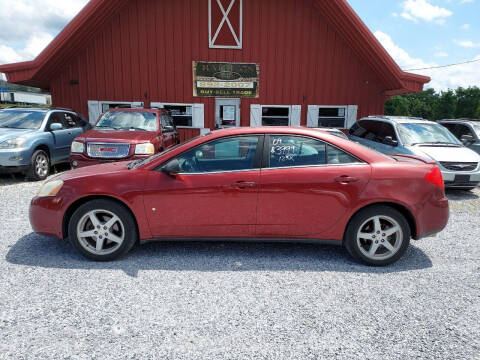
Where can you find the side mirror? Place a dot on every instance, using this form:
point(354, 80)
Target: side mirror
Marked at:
point(172, 168)
point(168, 129)
point(467, 139)
point(389, 141)
point(56, 126)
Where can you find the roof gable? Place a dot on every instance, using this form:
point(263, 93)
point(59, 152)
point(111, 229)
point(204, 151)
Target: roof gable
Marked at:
point(97, 12)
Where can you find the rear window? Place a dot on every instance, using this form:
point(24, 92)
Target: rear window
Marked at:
point(128, 120)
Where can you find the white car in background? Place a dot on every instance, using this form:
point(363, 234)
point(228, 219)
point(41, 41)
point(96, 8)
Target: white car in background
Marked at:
point(460, 165)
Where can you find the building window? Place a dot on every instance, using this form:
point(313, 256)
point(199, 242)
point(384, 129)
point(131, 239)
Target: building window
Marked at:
point(332, 117)
point(275, 115)
point(182, 114)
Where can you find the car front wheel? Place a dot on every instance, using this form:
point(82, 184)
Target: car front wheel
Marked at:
point(39, 166)
point(102, 230)
point(377, 236)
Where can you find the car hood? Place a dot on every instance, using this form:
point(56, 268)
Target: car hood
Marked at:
point(94, 170)
point(447, 153)
point(6, 134)
point(114, 136)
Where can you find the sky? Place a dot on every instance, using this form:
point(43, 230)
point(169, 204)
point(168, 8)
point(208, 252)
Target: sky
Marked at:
point(416, 33)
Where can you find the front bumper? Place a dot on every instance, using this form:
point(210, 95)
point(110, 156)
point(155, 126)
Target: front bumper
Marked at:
point(81, 160)
point(460, 179)
point(14, 160)
point(46, 216)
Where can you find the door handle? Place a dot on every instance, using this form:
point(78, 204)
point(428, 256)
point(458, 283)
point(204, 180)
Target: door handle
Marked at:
point(345, 179)
point(243, 185)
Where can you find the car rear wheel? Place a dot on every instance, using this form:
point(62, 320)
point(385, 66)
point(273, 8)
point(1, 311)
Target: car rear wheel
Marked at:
point(377, 236)
point(39, 166)
point(102, 230)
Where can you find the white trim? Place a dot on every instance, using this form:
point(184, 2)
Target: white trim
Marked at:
point(198, 113)
point(228, 102)
point(313, 114)
point(255, 115)
point(237, 37)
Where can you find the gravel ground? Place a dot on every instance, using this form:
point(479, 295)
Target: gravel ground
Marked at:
point(237, 301)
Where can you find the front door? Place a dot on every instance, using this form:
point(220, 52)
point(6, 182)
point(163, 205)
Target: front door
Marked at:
point(214, 196)
point(306, 187)
point(62, 139)
point(227, 113)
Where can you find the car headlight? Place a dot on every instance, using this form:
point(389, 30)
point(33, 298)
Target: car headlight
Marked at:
point(13, 143)
point(77, 147)
point(50, 188)
point(144, 149)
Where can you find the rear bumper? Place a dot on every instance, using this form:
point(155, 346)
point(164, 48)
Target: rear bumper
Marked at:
point(81, 160)
point(432, 217)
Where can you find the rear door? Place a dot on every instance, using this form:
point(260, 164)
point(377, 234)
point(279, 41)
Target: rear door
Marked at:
point(306, 186)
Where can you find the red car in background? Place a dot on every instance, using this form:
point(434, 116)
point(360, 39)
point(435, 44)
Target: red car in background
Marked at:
point(274, 184)
point(124, 134)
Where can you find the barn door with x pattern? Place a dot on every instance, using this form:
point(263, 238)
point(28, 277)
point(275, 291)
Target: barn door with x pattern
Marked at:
point(225, 24)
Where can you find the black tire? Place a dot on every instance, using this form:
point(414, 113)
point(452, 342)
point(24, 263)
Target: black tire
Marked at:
point(360, 221)
point(113, 250)
point(37, 171)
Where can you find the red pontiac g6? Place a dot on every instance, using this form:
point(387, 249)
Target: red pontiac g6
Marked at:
point(273, 184)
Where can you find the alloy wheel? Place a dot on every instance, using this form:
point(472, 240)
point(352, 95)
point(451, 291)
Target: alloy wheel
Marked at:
point(41, 165)
point(380, 237)
point(100, 232)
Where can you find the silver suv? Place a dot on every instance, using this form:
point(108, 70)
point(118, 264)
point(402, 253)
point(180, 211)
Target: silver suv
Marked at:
point(460, 165)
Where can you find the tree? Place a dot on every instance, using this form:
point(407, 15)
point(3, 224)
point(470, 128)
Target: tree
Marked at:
point(435, 106)
point(468, 102)
point(446, 105)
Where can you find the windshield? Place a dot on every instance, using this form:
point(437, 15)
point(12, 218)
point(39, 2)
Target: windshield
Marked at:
point(128, 120)
point(15, 119)
point(421, 133)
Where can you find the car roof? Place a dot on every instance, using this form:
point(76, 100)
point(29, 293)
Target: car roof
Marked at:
point(28, 109)
point(463, 121)
point(399, 119)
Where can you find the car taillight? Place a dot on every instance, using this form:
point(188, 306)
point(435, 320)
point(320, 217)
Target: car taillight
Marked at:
point(435, 177)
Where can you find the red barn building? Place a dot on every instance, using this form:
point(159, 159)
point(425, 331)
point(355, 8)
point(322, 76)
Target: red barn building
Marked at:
point(220, 62)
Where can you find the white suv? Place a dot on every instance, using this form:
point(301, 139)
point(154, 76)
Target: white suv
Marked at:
point(414, 136)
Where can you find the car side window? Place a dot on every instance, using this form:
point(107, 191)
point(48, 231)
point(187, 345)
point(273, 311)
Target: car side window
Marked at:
point(55, 118)
point(337, 156)
point(288, 151)
point(166, 126)
point(69, 120)
point(463, 130)
point(223, 155)
point(368, 129)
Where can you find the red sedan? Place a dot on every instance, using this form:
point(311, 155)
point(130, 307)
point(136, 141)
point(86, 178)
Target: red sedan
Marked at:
point(273, 184)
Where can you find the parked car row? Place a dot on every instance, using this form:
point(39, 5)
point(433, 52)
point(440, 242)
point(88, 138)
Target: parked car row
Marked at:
point(133, 181)
point(33, 140)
